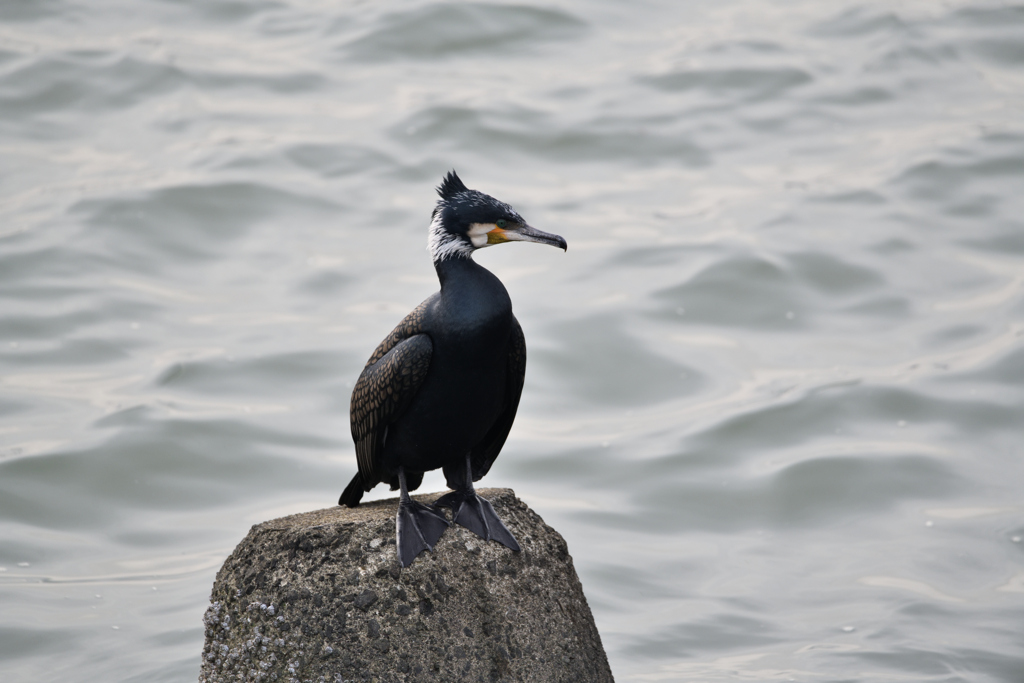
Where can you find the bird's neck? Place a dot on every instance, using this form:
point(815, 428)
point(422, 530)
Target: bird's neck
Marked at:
point(463, 278)
point(456, 270)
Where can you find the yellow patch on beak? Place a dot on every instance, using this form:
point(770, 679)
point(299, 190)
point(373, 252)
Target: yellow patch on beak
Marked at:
point(496, 236)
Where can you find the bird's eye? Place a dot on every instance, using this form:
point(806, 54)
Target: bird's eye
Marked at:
point(501, 223)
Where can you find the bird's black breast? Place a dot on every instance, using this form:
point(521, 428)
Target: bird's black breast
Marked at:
point(464, 394)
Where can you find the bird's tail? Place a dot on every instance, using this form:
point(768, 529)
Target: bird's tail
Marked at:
point(353, 493)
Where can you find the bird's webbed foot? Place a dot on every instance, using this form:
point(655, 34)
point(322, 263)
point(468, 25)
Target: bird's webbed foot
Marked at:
point(419, 527)
point(477, 515)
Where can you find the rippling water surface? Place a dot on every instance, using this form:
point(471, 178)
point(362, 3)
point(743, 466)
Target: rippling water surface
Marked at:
point(775, 400)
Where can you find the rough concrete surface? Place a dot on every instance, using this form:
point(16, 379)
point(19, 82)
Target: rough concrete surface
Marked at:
point(320, 597)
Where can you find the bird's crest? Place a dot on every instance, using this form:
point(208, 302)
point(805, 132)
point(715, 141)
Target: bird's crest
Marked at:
point(451, 186)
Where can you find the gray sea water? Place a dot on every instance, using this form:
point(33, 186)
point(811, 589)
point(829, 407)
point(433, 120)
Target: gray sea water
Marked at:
point(775, 397)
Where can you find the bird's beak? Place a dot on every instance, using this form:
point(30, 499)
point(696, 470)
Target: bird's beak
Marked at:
point(525, 233)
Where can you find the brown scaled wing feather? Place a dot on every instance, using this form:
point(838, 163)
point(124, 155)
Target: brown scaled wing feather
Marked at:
point(388, 383)
point(486, 452)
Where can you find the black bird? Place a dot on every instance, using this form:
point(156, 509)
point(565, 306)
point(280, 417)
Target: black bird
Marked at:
point(443, 388)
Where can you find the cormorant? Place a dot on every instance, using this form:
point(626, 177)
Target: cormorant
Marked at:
point(442, 389)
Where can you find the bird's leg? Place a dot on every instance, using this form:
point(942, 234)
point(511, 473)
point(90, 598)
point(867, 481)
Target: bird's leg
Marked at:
point(418, 526)
point(475, 513)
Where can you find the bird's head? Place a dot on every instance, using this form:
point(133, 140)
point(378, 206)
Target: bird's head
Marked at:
point(465, 220)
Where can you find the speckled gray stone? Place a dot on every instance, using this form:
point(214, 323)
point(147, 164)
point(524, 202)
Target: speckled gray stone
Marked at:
point(320, 597)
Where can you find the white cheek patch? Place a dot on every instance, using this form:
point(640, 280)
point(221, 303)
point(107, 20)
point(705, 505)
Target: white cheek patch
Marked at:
point(478, 233)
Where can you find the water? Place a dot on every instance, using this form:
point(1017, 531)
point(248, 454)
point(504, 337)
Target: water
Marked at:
point(775, 400)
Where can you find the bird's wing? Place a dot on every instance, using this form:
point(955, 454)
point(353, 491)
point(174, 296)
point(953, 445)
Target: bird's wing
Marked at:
point(410, 325)
point(385, 388)
point(486, 452)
